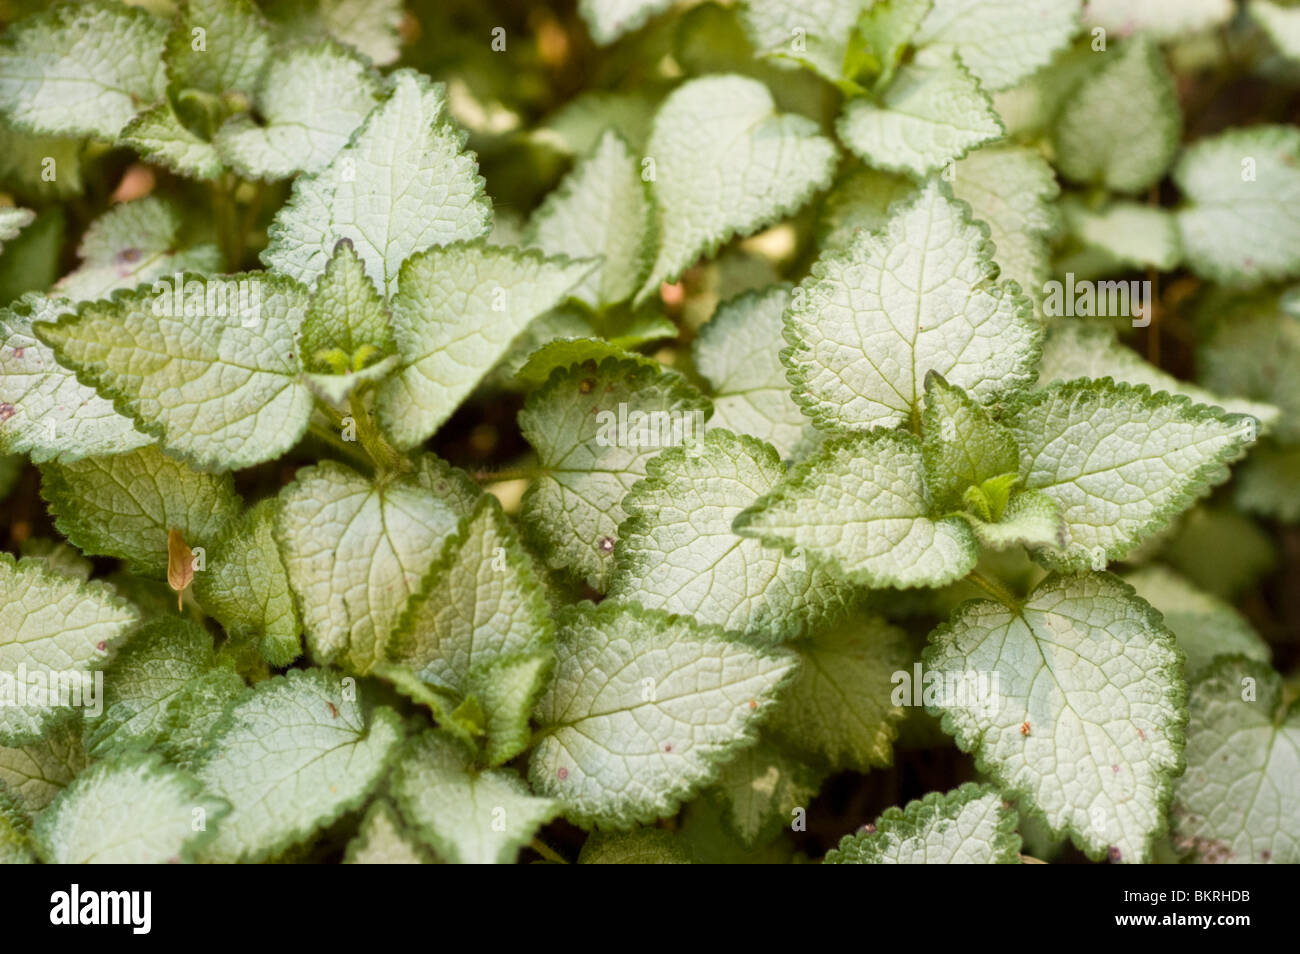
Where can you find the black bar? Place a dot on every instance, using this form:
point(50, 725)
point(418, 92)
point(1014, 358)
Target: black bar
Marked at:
point(329, 904)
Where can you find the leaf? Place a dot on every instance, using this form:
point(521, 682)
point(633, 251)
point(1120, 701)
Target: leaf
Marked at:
point(37, 771)
point(32, 261)
point(1080, 349)
point(840, 710)
point(26, 161)
point(642, 711)
point(815, 34)
point(142, 683)
point(507, 690)
point(932, 113)
point(710, 38)
point(641, 846)
point(1096, 676)
point(56, 79)
point(1221, 551)
point(60, 557)
point(962, 446)
point(919, 296)
point(1205, 626)
point(885, 31)
point(383, 840)
point(245, 585)
point(13, 221)
point(347, 321)
point(1119, 460)
point(1011, 189)
point(478, 609)
point(860, 202)
point(160, 137)
point(576, 127)
point(1250, 355)
point(132, 244)
point(860, 505)
point(132, 810)
point(373, 27)
point(594, 429)
point(970, 825)
point(999, 41)
point(207, 365)
point(54, 415)
point(195, 711)
point(1236, 803)
point(453, 486)
point(15, 846)
point(339, 390)
point(44, 410)
point(1281, 24)
point(1160, 19)
point(561, 353)
point(1135, 235)
point(738, 352)
point(1030, 519)
point(1242, 187)
point(290, 758)
point(600, 208)
point(763, 788)
point(54, 627)
point(753, 168)
point(466, 815)
point(311, 99)
point(704, 833)
point(607, 20)
point(988, 500)
point(677, 553)
point(1092, 149)
point(465, 721)
point(125, 505)
point(1268, 482)
point(401, 185)
point(217, 46)
point(455, 314)
point(355, 551)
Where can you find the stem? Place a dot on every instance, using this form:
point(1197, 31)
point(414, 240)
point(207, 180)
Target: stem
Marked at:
point(994, 588)
point(547, 852)
point(328, 436)
point(381, 452)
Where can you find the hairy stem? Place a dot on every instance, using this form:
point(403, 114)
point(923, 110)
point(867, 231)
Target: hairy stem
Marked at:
point(330, 436)
point(385, 456)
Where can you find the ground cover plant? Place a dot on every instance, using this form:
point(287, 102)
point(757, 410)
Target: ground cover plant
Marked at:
point(625, 431)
